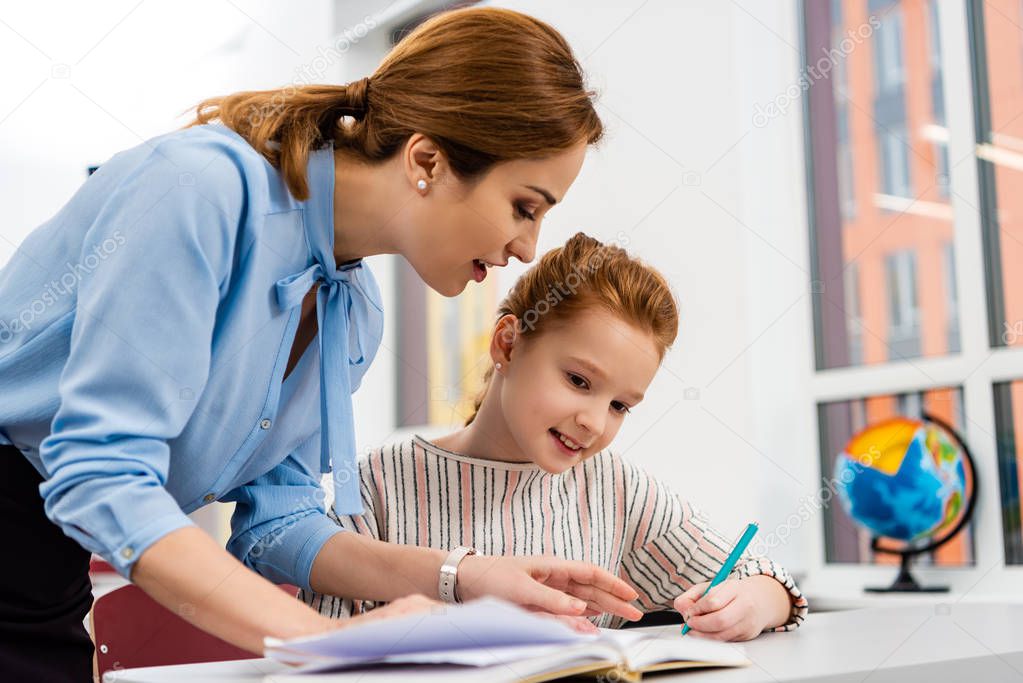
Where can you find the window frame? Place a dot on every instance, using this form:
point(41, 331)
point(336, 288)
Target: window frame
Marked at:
point(982, 360)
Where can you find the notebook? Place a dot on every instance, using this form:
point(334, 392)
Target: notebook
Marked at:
point(496, 641)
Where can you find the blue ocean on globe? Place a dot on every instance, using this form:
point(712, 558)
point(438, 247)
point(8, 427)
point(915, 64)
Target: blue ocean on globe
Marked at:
point(901, 479)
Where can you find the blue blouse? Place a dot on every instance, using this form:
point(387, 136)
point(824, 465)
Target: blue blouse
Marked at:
point(144, 335)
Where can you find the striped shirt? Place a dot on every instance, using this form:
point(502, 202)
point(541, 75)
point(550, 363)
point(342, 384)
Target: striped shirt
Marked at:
point(604, 510)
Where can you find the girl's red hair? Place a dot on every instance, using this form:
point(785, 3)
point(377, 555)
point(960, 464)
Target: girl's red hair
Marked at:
point(583, 274)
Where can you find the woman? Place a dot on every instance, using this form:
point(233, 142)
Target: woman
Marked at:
point(156, 339)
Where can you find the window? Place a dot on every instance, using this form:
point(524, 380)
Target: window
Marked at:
point(948, 263)
point(886, 152)
point(889, 70)
point(1009, 422)
point(852, 306)
point(903, 305)
point(846, 189)
point(918, 295)
point(890, 101)
point(998, 75)
point(894, 169)
point(937, 132)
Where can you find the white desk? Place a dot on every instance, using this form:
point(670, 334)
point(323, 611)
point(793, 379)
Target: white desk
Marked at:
point(831, 597)
point(976, 642)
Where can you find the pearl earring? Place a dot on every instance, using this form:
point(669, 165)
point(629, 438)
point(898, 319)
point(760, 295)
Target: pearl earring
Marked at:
point(497, 365)
point(421, 184)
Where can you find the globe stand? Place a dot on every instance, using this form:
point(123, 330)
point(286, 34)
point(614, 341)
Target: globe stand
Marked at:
point(904, 582)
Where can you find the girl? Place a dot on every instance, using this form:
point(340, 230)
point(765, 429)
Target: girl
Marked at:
point(157, 338)
point(577, 340)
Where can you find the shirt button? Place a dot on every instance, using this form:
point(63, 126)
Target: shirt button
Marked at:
point(128, 553)
point(265, 423)
point(209, 498)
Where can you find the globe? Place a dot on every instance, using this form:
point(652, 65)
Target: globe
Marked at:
point(906, 480)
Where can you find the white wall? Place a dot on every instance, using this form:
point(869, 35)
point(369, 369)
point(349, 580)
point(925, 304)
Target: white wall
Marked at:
point(85, 80)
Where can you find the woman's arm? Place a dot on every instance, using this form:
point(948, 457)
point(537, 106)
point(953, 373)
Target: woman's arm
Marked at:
point(280, 529)
point(356, 565)
point(187, 572)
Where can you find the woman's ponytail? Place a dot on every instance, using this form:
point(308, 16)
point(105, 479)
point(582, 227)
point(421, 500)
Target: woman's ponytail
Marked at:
point(485, 84)
point(285, 125)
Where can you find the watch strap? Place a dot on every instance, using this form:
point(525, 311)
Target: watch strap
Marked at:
point(449, 573)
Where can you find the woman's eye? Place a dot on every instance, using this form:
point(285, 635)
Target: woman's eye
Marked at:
point(524, 213)
point(620, 407)
point(581, 383)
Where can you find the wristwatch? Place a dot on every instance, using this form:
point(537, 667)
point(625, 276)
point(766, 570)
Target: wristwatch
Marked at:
point(449, 573)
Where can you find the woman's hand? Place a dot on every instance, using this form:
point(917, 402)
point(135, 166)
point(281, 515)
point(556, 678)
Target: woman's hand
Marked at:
point(577, 624)
point(416, 604)
point(734, 609)
point(547, 584)
point(410, 604)
point(402, 607)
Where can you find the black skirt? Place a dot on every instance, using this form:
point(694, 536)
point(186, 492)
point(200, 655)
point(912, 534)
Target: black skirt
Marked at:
point(45, 592)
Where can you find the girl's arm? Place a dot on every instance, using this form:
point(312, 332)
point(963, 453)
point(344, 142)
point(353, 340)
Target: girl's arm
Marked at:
point(737, 609)
point(367, 524)
point(676, 553)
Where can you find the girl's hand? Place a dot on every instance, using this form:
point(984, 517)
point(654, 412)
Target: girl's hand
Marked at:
point(732, 610)
point(547, 584)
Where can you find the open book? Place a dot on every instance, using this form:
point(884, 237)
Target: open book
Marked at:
point(495, 641)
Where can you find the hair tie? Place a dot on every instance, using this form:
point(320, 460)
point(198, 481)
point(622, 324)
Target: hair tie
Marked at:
point(358, 95)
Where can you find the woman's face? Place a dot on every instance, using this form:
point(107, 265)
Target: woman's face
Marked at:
point(576, 380)
point(457, 230)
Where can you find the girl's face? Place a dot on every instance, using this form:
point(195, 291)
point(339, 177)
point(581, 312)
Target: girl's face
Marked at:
point(460, 229)
point(574, 381)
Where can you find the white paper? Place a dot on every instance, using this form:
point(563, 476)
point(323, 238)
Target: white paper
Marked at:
point(477, 625)
point(491, 636)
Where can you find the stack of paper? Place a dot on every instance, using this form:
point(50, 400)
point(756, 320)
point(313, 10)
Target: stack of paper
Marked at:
point(497, 641)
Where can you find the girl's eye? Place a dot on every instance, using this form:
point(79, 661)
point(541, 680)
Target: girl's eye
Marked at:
point(620, 407)
point(523, 213)
point(581, 384)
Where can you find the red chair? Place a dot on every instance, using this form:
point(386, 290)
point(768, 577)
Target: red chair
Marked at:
point(97, 565)
point(132, 630)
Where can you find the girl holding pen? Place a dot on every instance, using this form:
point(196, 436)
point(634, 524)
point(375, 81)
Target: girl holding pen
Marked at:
point(576, 342)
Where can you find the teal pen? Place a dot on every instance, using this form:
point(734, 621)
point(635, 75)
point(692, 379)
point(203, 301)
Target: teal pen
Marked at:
point(729, 564)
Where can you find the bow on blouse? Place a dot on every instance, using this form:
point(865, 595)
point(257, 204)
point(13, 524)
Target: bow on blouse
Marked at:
point(341, 297)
